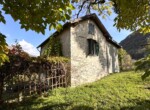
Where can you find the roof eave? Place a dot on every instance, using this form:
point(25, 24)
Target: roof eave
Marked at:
point(98, 22)
point(55, 33)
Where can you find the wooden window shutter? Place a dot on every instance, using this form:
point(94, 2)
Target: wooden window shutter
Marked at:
point(97, 48)
point(89, 46)
point(91, 29)
point(92, 47)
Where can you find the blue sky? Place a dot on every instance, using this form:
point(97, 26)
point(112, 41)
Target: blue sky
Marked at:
point(30, 39)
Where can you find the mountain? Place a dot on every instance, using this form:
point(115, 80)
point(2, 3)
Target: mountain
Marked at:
point(135, 44)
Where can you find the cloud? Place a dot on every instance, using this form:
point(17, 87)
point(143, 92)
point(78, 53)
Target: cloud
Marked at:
point(29, 48)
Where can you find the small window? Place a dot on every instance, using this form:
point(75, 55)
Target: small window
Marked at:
point(91, 29)
point(93, 47)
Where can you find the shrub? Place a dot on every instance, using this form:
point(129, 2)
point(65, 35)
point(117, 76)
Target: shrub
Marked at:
point(20, 62)
point(125, 60)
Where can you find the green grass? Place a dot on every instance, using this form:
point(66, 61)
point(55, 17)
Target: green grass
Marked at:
point(120, 91)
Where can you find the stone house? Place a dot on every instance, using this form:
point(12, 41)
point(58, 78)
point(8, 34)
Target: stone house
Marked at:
point(90, 47)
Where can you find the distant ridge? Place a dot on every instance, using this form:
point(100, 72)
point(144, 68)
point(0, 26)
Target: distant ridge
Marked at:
point(134, 44)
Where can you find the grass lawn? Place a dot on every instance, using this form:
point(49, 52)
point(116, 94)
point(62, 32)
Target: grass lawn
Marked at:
point(120, 91)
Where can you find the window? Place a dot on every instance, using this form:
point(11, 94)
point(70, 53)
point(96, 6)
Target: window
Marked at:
point(93, 47)
point(91, 28)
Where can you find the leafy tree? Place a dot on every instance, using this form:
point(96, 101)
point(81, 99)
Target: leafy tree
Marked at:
point(133, 15)
point(37, 14)
point(3, 49)
point(144, 63)
point(125, 60)
point(121, 55)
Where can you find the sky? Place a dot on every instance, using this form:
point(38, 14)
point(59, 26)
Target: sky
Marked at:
point(29, 40)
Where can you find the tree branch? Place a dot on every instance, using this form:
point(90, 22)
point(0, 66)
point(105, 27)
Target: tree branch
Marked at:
point(81, 8)
point(89, 5)
point(98, 2)
point(101, 10)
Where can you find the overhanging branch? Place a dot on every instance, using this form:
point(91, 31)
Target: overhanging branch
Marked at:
point(89, 5)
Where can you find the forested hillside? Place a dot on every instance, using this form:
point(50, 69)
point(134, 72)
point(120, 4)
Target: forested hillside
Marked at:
point(135, 44)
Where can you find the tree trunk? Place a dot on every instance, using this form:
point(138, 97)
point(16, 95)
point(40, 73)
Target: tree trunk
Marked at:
point(1, 89)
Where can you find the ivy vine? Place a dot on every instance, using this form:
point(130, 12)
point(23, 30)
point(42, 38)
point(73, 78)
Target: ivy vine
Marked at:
point(54, 47)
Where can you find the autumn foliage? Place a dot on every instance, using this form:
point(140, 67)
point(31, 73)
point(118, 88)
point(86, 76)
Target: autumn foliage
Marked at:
point(20, 62)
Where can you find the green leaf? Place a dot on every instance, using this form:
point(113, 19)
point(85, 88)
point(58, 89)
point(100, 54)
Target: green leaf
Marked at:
point(145, 75)
point(3, 49)
point(59, 27)
point(67, 16)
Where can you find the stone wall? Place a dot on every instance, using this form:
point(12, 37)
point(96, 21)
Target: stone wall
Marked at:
point(112, 55)
point(65, 41)
point(88, 68)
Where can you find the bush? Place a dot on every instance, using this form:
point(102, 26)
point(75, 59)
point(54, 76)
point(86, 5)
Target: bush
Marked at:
point(21, 63)
point(125, 60)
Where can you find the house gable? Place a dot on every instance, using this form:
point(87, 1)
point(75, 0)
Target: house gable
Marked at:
point(87, 66)
point(78, 20)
